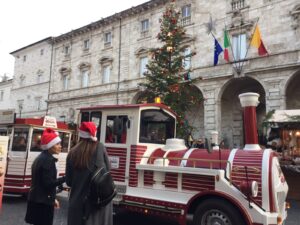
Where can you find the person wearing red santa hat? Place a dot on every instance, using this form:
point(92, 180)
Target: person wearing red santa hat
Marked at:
point(80, 162)
point(42, 194)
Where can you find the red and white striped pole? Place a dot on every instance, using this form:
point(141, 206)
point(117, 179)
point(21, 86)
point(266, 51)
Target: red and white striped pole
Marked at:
point(249, 102)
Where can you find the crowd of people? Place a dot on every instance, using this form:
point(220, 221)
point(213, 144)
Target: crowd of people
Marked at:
point(42, 196)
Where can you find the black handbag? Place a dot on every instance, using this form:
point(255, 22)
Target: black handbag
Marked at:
point(102, 188)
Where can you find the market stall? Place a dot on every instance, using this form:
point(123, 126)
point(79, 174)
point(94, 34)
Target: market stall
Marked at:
point(283, 135)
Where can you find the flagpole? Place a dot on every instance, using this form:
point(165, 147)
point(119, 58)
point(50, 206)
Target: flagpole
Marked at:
point(232, 53)
point(233, 56)
point(249, 45)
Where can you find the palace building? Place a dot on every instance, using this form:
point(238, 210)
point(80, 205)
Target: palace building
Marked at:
point(103, 62)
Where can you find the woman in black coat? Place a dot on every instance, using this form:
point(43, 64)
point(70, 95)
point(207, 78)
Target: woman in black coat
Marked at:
point(80, 162)
point(41, 198)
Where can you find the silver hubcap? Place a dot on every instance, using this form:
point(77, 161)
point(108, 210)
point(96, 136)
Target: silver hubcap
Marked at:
point(215, 217)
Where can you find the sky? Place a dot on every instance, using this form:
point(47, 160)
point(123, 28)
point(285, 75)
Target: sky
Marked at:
point(23, 22)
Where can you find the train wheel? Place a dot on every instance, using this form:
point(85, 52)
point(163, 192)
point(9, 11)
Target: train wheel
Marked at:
point(217, 212)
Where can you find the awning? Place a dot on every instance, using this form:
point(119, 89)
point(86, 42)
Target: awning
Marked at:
point(285, 116)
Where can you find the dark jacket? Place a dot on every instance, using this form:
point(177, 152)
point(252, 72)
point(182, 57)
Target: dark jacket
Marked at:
point(44, 181)
point(78, 180)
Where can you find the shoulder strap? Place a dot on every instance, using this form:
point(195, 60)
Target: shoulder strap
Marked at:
point(101, 157)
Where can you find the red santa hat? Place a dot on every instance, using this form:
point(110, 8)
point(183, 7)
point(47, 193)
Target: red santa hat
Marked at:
point(88, 130)
point(49, 138)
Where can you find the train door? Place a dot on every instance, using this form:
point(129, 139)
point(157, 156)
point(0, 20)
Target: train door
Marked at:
point(15, 179)
point(116, 137)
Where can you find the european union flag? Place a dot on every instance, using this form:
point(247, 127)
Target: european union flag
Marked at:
point(218, 50)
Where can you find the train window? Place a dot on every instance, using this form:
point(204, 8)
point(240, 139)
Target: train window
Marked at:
point(65, 137)
point(36, 140)
point(85, 116)
point(116, 129)
point(156, 126)
point(20, 139)
point(96, 118)
point(6, 131)
point(3, 131)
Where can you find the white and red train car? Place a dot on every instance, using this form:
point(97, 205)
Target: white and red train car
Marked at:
point(157, 174)
point(24, 146)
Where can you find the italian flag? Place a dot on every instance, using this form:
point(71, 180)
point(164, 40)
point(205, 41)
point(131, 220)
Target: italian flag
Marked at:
point(226, 46)
point(258, 43)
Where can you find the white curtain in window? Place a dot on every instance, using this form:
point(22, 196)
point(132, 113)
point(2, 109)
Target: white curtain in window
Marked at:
point(107, 37)
point(143, 64)
point(65, 82)
point(145, 25)
point(38, 103)
point(106, 74)
point(85, 78)
point(239, 46)
point(187, 60)
point(186, 11)
point(1, 95)
point(39, 78)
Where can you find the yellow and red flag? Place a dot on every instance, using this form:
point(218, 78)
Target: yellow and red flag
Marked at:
point(258, 43)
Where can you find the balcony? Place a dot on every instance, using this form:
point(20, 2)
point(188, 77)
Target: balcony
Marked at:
point(238, 4)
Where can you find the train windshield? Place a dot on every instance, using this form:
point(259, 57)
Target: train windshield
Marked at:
point(156, 126)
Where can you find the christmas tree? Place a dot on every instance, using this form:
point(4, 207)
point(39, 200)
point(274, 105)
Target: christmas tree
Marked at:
point(167, 75)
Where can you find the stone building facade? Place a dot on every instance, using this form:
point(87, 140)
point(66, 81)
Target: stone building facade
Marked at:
point(30, 86)
point(102, 62)
point(5, 98)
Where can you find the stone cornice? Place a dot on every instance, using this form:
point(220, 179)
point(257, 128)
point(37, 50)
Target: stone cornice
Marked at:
point(133, 11)
point(30, 86)
point(93, 95)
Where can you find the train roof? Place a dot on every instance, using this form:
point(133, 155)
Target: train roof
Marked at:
point(128, 106)
point(38, 122)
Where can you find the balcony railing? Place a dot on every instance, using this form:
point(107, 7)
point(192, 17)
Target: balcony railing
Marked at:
point(237, 4)
point(186, 21)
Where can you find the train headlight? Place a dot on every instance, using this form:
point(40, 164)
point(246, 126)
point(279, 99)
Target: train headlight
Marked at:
point(249, 188)
point(254, 188)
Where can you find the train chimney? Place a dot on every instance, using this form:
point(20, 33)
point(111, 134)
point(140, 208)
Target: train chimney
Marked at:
point(249, 101)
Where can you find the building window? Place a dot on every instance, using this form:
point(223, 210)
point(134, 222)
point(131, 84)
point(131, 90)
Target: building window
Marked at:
point(42, 52)
point(86, 44)
point(239, 46)
point(24, 58)
point(106, 74)
point(145, 25)
point(85, 78)
point(237, 4)
point(65, 79)
point(22, 80)
point(20, 106)
point(39, 78)
point(187, 58)
point(38, 103)
point(67, 50)
point(107, 39)
point(186, 15)
point(143, 65)
point(1, 95)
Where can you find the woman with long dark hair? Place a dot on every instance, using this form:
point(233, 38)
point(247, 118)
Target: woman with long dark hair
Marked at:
point(79, 168)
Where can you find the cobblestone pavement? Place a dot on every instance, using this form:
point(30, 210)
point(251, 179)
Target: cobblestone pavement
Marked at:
point(14, 209)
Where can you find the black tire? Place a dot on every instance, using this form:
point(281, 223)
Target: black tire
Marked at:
point(217, 211)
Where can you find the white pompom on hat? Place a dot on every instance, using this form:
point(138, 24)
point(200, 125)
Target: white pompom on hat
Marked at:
point(88, 130)
point(49, 138)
